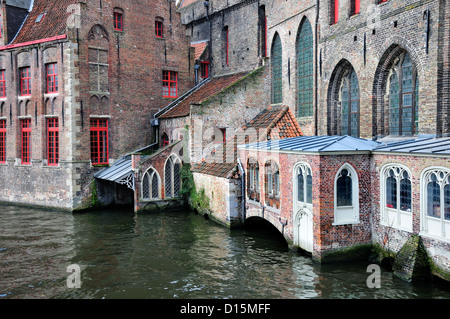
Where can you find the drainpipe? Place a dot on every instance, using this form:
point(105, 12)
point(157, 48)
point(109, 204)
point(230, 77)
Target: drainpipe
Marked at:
point(316, 37)
point(241, 170)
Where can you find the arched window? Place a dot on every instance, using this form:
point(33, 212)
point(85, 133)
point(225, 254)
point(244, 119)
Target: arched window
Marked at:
point(253, 179)
point(272, 184)
point(435, 184)
point(349, 100)
point(304, 184)
point(172, 177)
point(151, 185)
point(396, 197)
point(346, 193)
point(305, 70)
point(403, 97)
point(277, 70)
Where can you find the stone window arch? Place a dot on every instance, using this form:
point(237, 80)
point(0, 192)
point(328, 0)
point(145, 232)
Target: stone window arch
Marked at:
point(172, 177)
point(276, 57)
point(151, 185)
point(346, 196)
point(344, 101)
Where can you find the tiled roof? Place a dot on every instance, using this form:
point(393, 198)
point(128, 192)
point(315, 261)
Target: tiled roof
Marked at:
point(210, 88)
point(53, 23)
point(264, 124)
point(199, 48)
point(278, 120)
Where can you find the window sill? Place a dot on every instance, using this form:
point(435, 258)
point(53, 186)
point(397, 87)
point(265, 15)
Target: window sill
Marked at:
point(346, 222)
point(434, 237)
point(253, 202)
point(24, 97)
point(51, 94)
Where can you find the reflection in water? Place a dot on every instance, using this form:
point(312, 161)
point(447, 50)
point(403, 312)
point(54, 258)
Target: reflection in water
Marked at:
point(169, 255)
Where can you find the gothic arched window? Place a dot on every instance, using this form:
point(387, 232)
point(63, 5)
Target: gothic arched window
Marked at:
point(150, 185)
point(349, 100)
point(277, 70)
point(403, 97)
point(172, 177)
point(305, 70)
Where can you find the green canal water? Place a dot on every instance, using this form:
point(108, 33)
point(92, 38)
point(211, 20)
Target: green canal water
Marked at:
point(170, 255)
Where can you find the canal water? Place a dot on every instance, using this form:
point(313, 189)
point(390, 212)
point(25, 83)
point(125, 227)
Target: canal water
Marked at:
point(170, 255)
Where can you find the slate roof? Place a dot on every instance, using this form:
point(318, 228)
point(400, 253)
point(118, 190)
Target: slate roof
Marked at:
point(431, 145)
point(53, 23)
point(315, 144)
point(212, 86)
point(117, 171)
point(264, 124)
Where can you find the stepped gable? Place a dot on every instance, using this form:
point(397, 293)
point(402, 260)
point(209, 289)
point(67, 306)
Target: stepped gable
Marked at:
point(53, 23)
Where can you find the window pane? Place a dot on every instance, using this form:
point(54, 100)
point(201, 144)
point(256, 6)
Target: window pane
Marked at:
point(155, 186)
point(344, 189)
point(405, 194)
point(300, 186)
point(168, 178)
point(145, 186)
point(394, 105)
point(433, 198)
point(447, 201)
point(277, 85)
point(391, 192)
point(309, 188)
point(305, 69)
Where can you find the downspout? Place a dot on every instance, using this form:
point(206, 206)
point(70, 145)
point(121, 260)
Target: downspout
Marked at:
point(316, 46)
point(241, 170)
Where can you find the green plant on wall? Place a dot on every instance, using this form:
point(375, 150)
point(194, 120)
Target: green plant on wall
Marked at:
point(197, 199)
point(95, 202)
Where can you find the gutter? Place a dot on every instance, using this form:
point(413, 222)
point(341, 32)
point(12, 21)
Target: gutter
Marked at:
point(241, 169)
point(24, 44)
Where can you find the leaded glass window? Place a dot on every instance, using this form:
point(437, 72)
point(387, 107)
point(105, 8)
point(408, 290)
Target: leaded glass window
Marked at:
point(398, 188)
point(350, 104)
point(172, 177)
point(150, 185)
point(344, 189)
point(305, 69)
point(253, 179)
point(277, 70)
point(272, 184)
point(403, 97)
point(435, 196)
point(304, 184)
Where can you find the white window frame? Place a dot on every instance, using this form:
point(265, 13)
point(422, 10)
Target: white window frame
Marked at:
point(395, 217)
point(430, 226)
point(150, 188)
point(347, 214)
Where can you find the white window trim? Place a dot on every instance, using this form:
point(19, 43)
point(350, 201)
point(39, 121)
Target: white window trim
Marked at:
point(303, 166)
point(151, 168)
point(384, 210)
point(175, 159)
point(354, 209)
point(424, 218)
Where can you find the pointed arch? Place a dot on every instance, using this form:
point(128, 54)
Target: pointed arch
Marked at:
point(276, 62)
point(343, 103)
point(151, 185)
point(305, 69)
point(172, 176)
point(396, 97)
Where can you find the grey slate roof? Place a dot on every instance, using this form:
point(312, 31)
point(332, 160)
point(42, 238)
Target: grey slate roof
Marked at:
point(24, 4)
point(316, 144)
point(431, 145)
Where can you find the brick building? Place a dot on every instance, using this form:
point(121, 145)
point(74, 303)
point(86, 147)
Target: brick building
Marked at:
point(81, 82)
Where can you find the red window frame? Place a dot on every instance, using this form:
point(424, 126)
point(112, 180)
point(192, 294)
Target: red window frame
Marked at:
point(2, 84)
point(2, 141)
point(357, 6)
point(118, 21)
point(52, 141)
point(159, 28)
point(25, 81)
point(25, 137)
point(170, 84)
point(164, 140)
point(204, 69)
point(99, 141)
point(52, 77)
